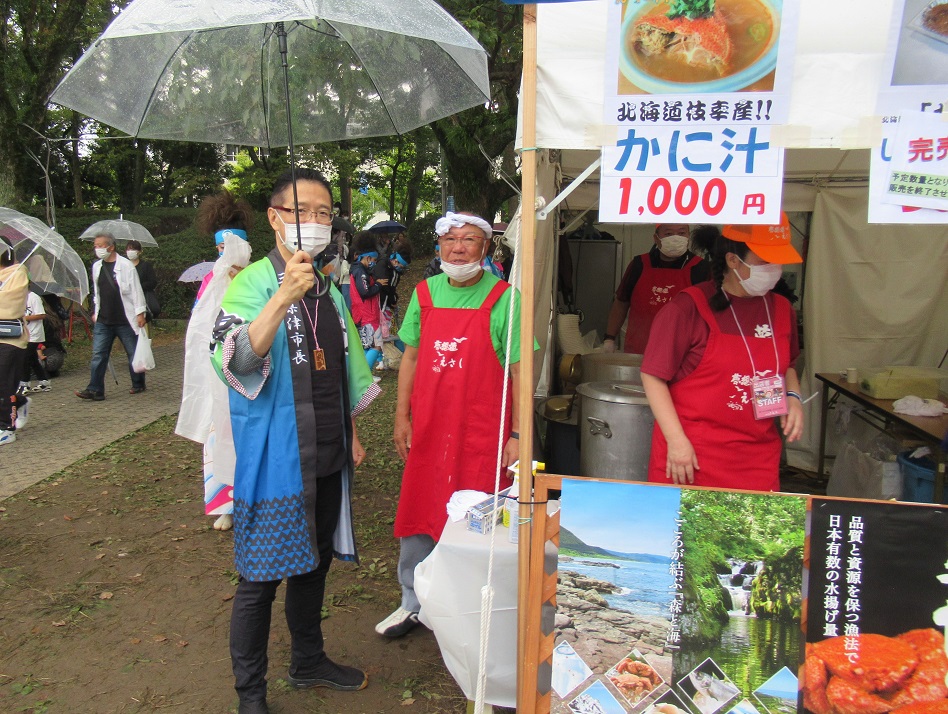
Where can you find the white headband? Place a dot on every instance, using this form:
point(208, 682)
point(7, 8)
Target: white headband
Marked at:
point(456, 220)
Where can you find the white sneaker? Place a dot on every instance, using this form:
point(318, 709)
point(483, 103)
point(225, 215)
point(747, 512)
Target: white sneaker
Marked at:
point(376, 379)
point(224, 523)
point(23, 414)
point(43, 386)
point(7, 437)
point(399, 623)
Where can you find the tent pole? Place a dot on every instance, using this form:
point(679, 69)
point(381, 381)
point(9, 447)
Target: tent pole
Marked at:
point(528, 593)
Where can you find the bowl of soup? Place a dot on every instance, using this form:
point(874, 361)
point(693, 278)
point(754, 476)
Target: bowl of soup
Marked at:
point(726, 51)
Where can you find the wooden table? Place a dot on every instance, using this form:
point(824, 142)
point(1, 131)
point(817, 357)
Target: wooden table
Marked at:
point(930, 430)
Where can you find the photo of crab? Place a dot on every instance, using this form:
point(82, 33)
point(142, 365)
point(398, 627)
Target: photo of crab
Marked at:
point(667, 703)
point(708, 688)
point(596, 699)
point(778, 695)
point(745, 706)
point(876, 586)
point(569, 669)
point(634, 677)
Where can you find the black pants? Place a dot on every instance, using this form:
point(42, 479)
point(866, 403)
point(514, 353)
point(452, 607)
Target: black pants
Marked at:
point(33, 364)
point(11, 369)
point(250, 618)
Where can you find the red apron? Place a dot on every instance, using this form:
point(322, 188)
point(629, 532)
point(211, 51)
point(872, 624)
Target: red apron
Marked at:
point(455, 413)
point(654, 289)
point(734, 449)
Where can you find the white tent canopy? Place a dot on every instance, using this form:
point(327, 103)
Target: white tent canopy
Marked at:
point(875, 294)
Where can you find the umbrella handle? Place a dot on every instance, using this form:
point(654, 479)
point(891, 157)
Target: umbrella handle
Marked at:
point(322, 284)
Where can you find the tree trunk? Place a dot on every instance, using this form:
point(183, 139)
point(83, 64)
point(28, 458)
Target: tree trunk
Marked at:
point(393, 182)
point(139, 186)
point(414, 183)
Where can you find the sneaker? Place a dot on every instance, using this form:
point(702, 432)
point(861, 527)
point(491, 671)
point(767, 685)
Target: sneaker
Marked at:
point(23, 414)
point(86, 394)
point(7, 437)
point(332, 675)
point(399, 623)
point(43, 386)
point(136, 390)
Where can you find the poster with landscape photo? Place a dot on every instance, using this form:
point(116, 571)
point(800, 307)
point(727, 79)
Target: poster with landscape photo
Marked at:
point(677, 601)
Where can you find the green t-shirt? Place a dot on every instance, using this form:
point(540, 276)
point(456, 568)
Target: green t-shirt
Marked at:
point(443, 294)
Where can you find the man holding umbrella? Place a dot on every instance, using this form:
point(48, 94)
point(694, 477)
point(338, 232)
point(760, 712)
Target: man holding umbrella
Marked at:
point(119, 312)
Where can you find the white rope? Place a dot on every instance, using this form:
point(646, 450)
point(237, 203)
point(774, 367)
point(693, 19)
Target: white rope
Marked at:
point(487, 592)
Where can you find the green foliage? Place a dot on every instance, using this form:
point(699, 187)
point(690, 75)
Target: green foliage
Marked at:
point(720, 525)
point(692, 9)
point(421, 235)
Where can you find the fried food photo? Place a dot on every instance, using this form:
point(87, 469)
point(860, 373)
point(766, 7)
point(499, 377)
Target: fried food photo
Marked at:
point(877, 674)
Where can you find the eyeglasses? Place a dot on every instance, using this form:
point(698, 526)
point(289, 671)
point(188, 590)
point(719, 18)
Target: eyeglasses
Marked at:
point(468, 241)
point(323, 215)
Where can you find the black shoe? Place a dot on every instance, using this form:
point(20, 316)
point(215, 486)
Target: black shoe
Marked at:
point(332, 675)
point(257, 707)
point(86, 394)
point(136, 390)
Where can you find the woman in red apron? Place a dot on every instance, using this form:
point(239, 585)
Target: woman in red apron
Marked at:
point(718, 370)
point(450, 387)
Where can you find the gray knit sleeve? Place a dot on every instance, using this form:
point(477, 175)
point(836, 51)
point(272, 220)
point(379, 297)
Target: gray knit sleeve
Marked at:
point(244, 359)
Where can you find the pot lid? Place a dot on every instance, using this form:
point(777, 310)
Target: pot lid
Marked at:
point(615, 392)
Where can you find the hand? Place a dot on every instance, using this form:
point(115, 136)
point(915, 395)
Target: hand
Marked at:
point(358, 453)
point(682, 462)
point(792, 421)
point(141, 320)
point(609, 346)
point(383, 281)
point(298, 279)
point(511, 452)
point(402, 436)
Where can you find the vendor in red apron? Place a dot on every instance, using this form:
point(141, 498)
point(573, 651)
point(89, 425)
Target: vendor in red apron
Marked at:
point(450, 396)
point(719, 367)
point(650, 282)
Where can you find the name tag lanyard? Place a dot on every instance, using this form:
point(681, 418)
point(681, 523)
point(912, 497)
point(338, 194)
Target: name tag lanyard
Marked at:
point(767, 393)
point(319, 357)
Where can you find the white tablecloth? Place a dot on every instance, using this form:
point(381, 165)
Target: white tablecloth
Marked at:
point(448, 584)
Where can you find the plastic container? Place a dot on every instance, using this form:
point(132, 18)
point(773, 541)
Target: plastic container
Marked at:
point(918, 478)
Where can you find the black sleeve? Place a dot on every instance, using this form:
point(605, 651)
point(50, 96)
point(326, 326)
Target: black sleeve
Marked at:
point(631, 277)
point(364, 285)
point(147, 277)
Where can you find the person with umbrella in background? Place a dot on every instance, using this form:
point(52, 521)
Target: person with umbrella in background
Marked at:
point(282, 342)
point(204, 415)
point(14, 288)
point(119, 311)
point(147, 278)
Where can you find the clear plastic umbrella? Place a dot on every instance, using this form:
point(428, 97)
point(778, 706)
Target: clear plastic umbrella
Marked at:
point(53, 265)
point(196, 273)
point(121, 230)
point(214, 71)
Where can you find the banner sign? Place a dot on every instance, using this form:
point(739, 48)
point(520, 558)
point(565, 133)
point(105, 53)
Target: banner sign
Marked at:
point(692, 601)
point(659, 174)
point(712, 61)
point(915, 81)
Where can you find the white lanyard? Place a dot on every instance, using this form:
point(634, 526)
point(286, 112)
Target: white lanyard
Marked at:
point(773, 339)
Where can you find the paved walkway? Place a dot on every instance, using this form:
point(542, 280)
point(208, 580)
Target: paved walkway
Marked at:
point(63, 429)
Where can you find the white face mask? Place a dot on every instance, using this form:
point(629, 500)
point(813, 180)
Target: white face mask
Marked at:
point(461, 273)
point(762, 278)
point(314, 237)
point(101, 253)
point(673, 246)
point(133, 254)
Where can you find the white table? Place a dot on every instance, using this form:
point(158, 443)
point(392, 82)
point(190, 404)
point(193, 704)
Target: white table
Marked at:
point(448, 584)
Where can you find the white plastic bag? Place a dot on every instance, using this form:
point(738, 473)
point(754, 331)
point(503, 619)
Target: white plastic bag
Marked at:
point(144, 360)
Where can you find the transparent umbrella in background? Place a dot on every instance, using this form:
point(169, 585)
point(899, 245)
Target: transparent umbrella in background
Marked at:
point(196, 273)
point(53, 265)
point(121, 230)
point(273, 72)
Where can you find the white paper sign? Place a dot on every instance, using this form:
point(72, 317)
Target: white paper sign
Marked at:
point(656, 174)
point(918, 166)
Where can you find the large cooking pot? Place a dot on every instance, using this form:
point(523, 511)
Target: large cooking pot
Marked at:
point(561, 444)
point(615, 425)
point(611, 367)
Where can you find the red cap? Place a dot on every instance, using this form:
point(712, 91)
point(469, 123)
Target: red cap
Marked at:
point(770, 243)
